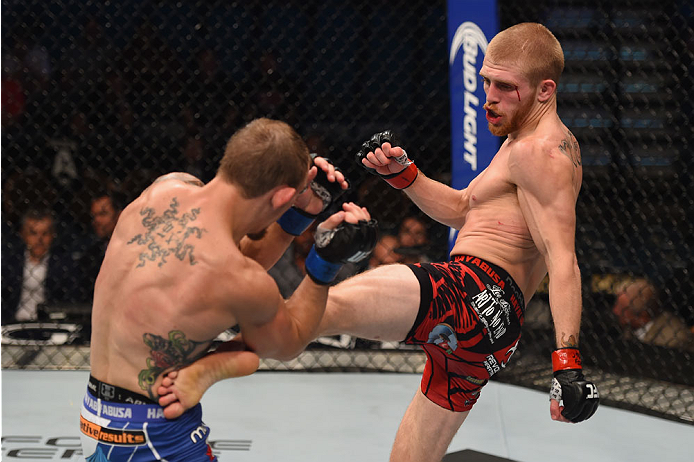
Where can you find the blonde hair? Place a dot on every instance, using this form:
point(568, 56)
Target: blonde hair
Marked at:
point(265, 154)
point(532, 47)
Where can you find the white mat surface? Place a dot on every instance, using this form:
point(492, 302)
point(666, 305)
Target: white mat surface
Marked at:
point(336, 417)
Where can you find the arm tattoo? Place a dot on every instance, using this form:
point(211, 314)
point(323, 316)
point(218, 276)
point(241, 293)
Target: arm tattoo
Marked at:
point(572, 342)
point(172, 353)
point(167, 234)
point(569, 147)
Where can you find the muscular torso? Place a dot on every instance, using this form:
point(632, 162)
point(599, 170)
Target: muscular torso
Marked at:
point(494, 227)
point(159, 300)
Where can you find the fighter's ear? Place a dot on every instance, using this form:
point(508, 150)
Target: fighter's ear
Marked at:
point(282, 196)
point(547, 89)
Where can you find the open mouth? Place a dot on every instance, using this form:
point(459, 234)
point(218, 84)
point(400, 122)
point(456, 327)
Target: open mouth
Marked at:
point(492, 116)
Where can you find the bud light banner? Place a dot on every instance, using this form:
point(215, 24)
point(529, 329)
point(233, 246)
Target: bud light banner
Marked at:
point(471, 25)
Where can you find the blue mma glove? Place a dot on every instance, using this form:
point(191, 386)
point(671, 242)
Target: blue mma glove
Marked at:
point(348, 243)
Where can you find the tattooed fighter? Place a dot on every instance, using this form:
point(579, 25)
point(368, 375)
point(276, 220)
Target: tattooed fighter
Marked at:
point(517, 223)
point(188, 260)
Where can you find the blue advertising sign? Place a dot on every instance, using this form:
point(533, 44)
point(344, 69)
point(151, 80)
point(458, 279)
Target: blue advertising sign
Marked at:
point(471, 24)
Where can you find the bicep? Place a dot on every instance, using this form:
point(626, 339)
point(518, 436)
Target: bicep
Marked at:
point(548, 203)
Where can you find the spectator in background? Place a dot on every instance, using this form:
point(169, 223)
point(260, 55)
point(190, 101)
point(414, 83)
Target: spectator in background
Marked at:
point(413, 240)
point(385, 251)
point(289, 271)
point(408, 246)
point(36, 272)
point(105, 208)
point(642, 316)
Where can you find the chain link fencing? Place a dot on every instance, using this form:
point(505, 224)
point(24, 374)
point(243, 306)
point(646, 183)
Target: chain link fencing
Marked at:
point(100, 98)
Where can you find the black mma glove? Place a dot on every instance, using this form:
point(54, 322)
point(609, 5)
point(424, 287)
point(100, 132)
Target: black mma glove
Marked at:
point(399, 180)
point(348, 243)
point(295, 221)
point(580, 396)
point(328, 191)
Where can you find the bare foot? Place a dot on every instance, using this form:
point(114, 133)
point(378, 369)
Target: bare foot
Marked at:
point(179, 392)
point(182, 389)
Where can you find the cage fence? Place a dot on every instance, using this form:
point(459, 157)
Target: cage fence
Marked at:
point(100, 98)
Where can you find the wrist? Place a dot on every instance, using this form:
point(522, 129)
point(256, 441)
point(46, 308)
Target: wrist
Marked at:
point(404, 178)
point(295, 221)
point(319, 270)
point(566, 359)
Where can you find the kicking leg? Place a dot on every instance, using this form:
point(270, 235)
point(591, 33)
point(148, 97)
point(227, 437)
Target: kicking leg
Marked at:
point(425, 432)
point(379, 304)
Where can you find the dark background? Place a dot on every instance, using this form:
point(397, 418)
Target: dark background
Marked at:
point(113, 94)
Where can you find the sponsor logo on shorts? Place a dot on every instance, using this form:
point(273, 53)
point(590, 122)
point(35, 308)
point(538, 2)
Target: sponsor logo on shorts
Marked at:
point(493, 311)
point(444, 336)
point(198, 434)
point(112, 436)
point(487, 269)
point(107, 391)
point(492, 365)
point(108, 410)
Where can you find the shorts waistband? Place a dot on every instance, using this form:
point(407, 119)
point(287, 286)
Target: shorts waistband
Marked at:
point(495, 272)
point(115, 394)
point(122, 412)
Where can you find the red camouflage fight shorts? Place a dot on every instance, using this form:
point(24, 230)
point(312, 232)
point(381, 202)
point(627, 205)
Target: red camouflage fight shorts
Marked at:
point(469, 324)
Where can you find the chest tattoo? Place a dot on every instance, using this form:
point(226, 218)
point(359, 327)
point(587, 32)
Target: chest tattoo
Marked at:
point(168, 234)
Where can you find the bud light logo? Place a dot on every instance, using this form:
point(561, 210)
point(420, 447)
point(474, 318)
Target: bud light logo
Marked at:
point(470, 38)
point(470, 24)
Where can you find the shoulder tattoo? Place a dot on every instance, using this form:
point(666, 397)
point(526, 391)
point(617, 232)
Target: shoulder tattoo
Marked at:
point(569, 147)
point(168, 234)
point(173, 352)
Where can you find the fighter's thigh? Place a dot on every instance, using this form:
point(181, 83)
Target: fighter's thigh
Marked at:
point(379, 304)
point(426, 431)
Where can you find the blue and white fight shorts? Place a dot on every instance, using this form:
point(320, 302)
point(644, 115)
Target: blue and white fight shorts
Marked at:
point(115, 429)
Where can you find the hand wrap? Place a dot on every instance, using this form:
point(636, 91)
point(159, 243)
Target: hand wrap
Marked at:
point(295, 221)
point(399, 180)
point(348, 243)
point(581, 397)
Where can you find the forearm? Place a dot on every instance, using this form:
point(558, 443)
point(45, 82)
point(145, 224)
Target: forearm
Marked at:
point(439, 201)
point(269, 249)
point(227, 361)
point(305, 309)
point(565, 301)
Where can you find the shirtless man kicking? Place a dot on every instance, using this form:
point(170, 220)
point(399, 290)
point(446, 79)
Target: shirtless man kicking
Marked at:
point(517, 223)
point(182, 266)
